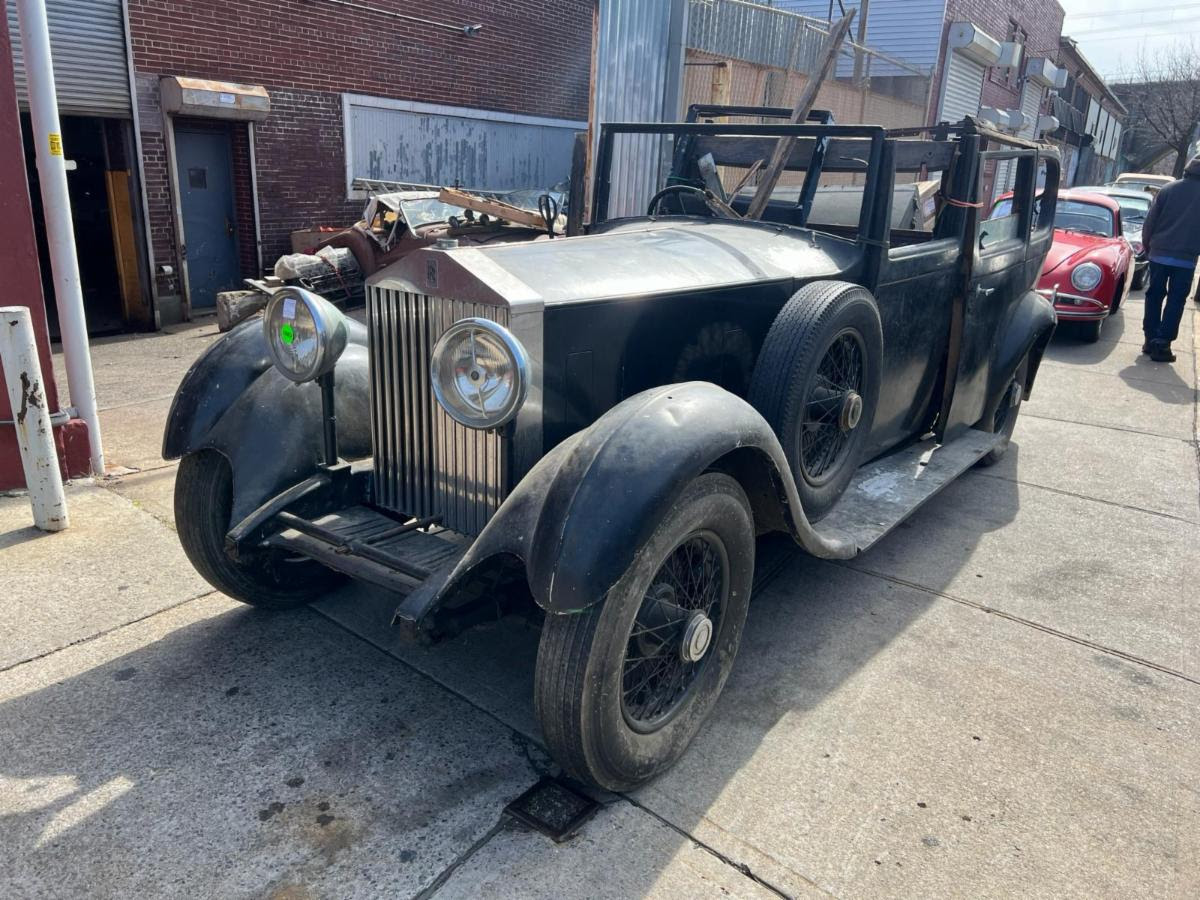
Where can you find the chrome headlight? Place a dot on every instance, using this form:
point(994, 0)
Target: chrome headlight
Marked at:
point(480, 373)
point(305, 333)
point(1086, 276)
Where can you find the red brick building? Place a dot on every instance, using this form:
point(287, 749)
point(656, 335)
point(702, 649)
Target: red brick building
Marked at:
point(1032, 25)
point(408, 79)
point(200, 133)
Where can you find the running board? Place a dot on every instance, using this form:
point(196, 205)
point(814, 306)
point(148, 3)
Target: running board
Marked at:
point(885, 492)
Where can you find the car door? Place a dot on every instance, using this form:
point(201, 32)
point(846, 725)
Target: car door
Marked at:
point(999, 277)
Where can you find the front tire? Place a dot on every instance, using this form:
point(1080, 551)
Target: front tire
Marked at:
point(1090, 331)
point(1139, 279)
point(203, 513)
point(622, 687)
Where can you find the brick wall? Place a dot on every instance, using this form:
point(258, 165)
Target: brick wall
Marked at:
point(532, 57)
point(1041, 20)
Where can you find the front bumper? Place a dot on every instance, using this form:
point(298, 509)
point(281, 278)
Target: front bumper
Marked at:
point(1075, 307)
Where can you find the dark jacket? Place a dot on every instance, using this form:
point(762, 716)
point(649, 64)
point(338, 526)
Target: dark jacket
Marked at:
point(1172, 227)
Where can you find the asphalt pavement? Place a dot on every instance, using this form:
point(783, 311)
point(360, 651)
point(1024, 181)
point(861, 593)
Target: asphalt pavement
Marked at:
point(1001, 698)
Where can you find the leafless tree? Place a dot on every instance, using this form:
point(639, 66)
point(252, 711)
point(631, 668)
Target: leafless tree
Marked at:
point(1167, 101)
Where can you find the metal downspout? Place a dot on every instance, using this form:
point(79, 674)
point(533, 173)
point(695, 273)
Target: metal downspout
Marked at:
point(258, 248)
point(60, 233)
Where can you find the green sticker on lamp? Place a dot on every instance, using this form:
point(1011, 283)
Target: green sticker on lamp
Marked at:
point(287, 333)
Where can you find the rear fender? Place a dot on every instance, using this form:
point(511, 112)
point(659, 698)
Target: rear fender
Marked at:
point(583, 513)
point(234, 401)
point(1027, 333)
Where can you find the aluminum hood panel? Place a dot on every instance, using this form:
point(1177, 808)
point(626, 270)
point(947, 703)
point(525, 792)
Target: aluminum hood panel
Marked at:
point(629, 259)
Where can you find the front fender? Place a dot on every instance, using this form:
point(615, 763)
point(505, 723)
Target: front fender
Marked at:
point(234, 401)
point(581, 515)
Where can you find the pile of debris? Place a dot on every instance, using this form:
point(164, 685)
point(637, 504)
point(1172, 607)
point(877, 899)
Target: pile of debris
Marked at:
point(337, 263)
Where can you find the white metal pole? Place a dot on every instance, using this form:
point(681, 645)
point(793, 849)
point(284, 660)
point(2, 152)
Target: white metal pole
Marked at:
point(35, 436)
point(60, 230)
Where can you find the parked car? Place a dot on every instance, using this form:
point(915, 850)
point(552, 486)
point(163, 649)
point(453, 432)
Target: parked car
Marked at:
point(596, 427)
point(1135, 206)
point(1089, 268)
point(1141, 181)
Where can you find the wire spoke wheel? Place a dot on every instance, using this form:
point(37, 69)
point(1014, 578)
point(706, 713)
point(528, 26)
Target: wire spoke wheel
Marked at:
point(832, 407)
point(670, 637)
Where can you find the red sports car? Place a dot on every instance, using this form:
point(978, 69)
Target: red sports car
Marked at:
point(1090, 265)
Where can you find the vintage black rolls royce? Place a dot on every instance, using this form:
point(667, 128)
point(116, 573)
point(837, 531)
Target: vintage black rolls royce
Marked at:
point(599, 425)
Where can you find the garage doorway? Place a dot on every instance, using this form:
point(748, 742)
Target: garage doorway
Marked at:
point(204, 161)
point(109, 242)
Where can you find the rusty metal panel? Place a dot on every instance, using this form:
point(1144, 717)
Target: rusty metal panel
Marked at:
point(422, 143)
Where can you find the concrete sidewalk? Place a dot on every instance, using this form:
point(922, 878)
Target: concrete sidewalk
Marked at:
point(1000, 698)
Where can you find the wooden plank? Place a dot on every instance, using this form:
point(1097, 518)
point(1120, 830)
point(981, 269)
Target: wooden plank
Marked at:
point(843, 154)
point(125, 251)
point(493, 208)
point(783, 146)
point(577, 192)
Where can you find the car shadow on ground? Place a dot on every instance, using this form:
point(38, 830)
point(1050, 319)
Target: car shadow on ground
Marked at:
point(291, 753)
point(811, 628)
point(239, 755)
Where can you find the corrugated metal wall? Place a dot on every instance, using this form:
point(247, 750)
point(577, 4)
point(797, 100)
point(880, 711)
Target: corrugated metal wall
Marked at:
point(639, 60)
point(87, 43)
point(418, 143)
point(910, 30)
point(749, 31)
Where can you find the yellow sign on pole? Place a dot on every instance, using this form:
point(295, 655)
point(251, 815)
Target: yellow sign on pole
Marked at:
point(55, 144)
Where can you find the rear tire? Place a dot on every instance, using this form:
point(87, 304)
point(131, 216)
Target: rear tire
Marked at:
point(616, 719)
point(264, 578)
point(1004, 419)
point(817, 383)
point(1139, 279)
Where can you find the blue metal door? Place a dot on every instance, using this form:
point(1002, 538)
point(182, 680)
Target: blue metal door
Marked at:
point(206, 197)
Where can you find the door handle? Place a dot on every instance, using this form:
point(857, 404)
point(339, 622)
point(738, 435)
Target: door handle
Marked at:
point(985, 292)
point(228, 227)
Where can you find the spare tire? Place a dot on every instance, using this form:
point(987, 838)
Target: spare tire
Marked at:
point(817, 383)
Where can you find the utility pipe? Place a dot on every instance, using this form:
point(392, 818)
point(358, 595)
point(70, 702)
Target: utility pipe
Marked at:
point(60, 230)
point(31, 416)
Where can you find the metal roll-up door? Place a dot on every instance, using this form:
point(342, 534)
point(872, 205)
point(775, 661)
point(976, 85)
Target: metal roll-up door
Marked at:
point(964, 86)
point(87, 42)
point(1031, 109)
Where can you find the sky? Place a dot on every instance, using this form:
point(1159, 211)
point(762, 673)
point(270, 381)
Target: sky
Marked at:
point(1111, 33)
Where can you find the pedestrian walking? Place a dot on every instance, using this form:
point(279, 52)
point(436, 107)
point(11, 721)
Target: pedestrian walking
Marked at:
point(1171, 236)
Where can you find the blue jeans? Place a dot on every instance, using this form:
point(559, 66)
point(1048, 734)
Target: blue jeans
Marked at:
point(1172, 282)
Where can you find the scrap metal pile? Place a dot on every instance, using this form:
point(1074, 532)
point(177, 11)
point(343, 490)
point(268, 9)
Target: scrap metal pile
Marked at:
point(336, 264)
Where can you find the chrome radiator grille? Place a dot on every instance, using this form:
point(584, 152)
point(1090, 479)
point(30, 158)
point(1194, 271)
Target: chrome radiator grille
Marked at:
point(427, 464)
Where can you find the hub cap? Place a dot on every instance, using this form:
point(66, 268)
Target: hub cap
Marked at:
point(670, 639)
point(697, 635)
